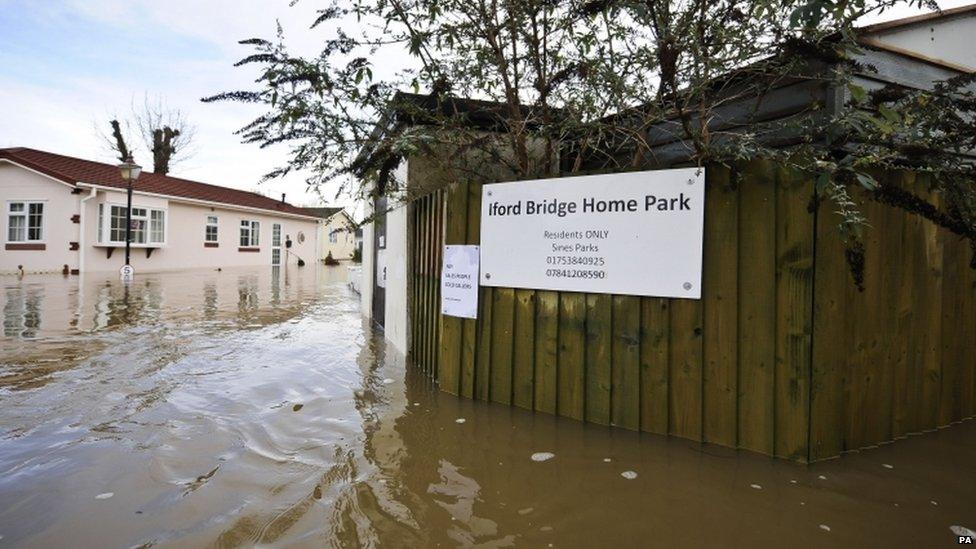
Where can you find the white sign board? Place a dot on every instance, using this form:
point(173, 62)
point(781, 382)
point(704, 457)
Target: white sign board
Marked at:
point(126, 272)
point(459, 281)
point(636, 233)
point(381, 268)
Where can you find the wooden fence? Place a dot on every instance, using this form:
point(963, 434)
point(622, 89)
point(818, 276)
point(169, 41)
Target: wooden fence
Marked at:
point(782, 355)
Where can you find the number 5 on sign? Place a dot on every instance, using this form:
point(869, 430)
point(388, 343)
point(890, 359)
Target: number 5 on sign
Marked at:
point(459, 281)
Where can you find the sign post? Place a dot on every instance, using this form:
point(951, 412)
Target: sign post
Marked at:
point(459, 281)
point(634, 233)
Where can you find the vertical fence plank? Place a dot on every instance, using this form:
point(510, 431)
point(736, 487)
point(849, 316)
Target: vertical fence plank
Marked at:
point(524, 349)
point(428, 289)
point(832, 282)
point(950, 395)
point(900, 249)
point(969, 337)
point(482, 375)
point(967, 334)
point(572, 341)
point(412, 249)
point(502, 320)
point(455, 232)
point(469, 326)
point(546, 350)
point(598, 349)
point(424, 328)
point(869, 416)
point(625, 357)
point(654, 358)
point(685, 383)
point(720, 302)
point(929, 304)
point(757, 306)
point(436, 279)
point(794, 308)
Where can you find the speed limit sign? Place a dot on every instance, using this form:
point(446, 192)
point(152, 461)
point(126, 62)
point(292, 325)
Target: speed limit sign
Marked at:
point(126, 272)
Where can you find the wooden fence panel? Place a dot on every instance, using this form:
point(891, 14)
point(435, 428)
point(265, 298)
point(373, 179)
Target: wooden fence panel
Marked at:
point(598, 343)
point(794, 313)
point(720, 301)
point(757, 306)
point(654, 364)
point(900, 249)
point(469, 326)
point(929, 303)
point(482, 376)
point(455, 232)
point(830, 353)
point(546, 350)
point(625, 394)
point(502, 340)
point(685, 382)
point(523, 375)
point(572, 341)
point(782, 355)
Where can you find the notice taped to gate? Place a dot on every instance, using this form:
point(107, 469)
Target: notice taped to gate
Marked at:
point(635, 233)
point(459, 281)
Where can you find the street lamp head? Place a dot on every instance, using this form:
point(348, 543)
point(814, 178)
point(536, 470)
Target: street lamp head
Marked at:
point(130, 170)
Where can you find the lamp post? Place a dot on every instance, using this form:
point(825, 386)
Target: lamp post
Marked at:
point(130, 172)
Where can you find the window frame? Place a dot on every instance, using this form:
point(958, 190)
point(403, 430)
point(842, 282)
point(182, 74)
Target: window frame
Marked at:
point(276, 235)
point(253, 229)
point(105, 225)
point(215, 224)
point(8, 204)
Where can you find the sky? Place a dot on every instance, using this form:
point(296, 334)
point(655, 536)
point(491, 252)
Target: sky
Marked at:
point(69, 66)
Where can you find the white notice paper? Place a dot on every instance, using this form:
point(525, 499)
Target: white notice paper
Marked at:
point(459, 281)
point(635, 233)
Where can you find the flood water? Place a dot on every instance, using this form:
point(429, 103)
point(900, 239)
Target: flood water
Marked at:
point(255, 407)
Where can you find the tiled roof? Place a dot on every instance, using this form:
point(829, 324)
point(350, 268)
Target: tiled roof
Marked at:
point(76, 170)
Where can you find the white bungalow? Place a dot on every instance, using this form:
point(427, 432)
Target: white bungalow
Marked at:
point(65, 214)
point(337, 233)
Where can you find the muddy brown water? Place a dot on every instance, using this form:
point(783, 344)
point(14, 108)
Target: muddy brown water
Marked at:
point(247, 408)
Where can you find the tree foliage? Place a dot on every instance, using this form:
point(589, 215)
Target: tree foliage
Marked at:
point(574, 85)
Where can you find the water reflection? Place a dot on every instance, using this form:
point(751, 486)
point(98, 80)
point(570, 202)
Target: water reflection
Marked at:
point(21, 312)
point(243, 408)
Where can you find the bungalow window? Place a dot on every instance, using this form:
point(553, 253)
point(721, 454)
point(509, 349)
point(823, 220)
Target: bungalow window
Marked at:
point(211, 231)
point(333, 237)
point(250, 230)
point(25, 221)
point(148, 226)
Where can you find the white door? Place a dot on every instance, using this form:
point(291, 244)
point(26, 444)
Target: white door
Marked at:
point(276, 244)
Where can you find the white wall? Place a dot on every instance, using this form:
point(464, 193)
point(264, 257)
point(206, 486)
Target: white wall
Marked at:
point(396, 258)
point(58, 231)
point(185, 231)
point(369, 267)
point(948, 39)
point(396, 323)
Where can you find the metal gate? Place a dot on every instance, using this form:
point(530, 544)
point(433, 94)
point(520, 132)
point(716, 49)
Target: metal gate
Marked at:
point(427, 236)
